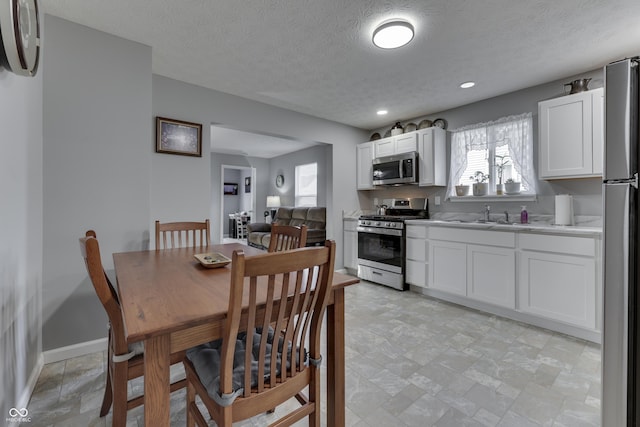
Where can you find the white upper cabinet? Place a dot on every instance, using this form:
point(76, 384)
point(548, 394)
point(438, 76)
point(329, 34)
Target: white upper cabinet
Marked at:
point(430, 143)
point(571, 135)
point(403, 143)
point(364, 167)
point(433, 156)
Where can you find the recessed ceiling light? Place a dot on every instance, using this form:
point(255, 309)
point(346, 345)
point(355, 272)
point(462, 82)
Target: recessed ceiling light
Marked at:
point(393, 34)
point(467, 85)
point(381, 112)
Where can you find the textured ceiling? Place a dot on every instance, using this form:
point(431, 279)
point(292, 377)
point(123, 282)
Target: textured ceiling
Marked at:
point(316, 57)
point(231, 141)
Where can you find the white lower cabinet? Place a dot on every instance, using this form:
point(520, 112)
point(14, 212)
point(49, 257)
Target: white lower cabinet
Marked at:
point(491, 274)
point(561, 286)
point(448, 266)
point(549, 280)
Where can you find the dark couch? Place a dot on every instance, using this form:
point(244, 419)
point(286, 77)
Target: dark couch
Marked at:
point(259, 233)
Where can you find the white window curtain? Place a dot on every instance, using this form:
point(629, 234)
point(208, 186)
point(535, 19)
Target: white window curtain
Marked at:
point(514, 131)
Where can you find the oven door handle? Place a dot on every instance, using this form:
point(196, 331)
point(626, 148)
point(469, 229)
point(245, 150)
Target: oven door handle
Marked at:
point(375, 230)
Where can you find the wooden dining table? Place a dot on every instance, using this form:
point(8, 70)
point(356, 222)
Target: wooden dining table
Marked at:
point(171, 302)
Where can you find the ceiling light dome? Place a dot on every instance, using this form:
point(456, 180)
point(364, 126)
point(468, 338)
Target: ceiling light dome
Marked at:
point(393, 34)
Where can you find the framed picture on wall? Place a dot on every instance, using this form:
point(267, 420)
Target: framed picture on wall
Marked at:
point(178, 137)
point(247, 184)
point(230, 188)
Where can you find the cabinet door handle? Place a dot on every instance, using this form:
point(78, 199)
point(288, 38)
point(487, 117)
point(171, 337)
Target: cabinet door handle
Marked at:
point(375, 272)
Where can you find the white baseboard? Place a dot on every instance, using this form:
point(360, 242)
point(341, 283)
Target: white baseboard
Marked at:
point(25, 396)
point(75, 350)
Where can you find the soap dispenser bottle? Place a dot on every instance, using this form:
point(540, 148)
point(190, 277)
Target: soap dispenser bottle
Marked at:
point(524, 215)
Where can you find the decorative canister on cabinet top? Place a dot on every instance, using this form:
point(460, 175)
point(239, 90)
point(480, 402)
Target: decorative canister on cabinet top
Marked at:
point(397, 129)
point(580, 85)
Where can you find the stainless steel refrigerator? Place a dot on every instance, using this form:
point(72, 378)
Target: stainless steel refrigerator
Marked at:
point(621, 349)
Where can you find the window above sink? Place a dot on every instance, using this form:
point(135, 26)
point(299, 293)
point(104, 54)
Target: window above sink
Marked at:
point(493, 159)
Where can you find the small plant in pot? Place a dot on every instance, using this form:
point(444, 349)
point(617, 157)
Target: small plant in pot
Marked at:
point(480, 186)
point(511, 187)
point(501, 162)
point(462, 190)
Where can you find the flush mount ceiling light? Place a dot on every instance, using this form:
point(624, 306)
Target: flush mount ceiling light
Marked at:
point(381, 112)
point(467, 85)
point(393, 34)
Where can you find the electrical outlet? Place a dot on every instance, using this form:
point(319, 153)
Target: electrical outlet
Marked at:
point(437, 200)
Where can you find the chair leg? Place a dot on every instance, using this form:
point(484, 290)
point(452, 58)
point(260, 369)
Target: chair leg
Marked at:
point(314, 397)
point(108, 389)
point(120, 383)
point(108, 395)
point(191, 404)
point(227, 418)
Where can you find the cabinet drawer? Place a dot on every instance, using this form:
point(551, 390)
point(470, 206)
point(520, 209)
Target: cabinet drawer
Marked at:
point(417, 231)
point(480, 237)
point(585, 246)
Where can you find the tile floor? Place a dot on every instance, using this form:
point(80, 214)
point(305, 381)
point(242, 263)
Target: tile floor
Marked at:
point(411, 361)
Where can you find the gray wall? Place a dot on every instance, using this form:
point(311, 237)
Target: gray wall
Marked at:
point(100, 170)
point(587, 192)
point(97, 167)
point(286, 165)
point(172, 98)
point(20, 236)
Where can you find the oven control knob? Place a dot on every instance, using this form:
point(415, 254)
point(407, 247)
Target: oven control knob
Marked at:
point(377, 224)
point(389, 224)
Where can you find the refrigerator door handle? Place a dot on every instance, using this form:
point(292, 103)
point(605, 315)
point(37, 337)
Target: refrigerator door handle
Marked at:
point(626, 181)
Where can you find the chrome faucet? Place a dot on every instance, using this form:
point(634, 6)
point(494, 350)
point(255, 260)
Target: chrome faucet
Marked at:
point(487, 213)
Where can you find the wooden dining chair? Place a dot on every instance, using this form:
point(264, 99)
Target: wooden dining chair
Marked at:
point(282, 340)
point(286, 237)
point(125, 362)
point(182, 234)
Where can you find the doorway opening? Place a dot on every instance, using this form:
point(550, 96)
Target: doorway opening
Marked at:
point(238, 201)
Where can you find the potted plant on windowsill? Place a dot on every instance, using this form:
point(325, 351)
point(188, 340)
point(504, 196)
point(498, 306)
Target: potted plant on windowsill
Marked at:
point(480, 186)
point(511, 187)
point(462, 190)
point(501, 162)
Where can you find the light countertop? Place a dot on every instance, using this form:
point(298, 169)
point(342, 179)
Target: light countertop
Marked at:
point(541, 224)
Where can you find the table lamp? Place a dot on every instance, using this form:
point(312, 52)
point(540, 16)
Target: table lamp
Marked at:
point(272, 203)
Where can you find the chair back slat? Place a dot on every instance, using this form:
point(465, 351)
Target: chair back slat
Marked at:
point(264, 326)
point(251, 320)
point(182, 234)
point(287, 237)
point(286, 293)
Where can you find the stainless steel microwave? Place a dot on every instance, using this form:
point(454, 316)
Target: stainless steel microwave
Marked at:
point(396, 169)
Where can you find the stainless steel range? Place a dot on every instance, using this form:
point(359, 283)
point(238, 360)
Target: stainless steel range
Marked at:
point(381, 242)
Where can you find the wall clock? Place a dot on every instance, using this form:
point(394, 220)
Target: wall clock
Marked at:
point(279, 181)
point(20, 31)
